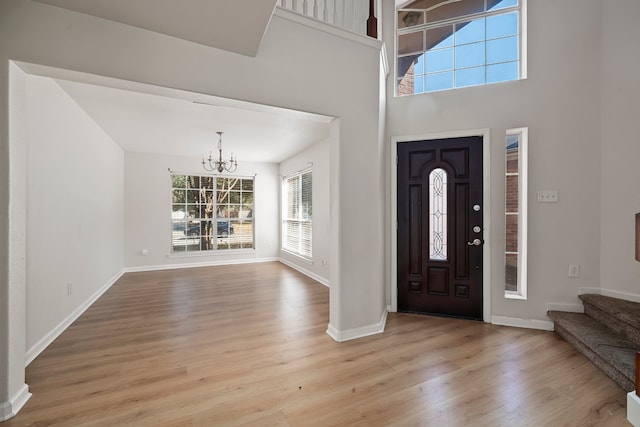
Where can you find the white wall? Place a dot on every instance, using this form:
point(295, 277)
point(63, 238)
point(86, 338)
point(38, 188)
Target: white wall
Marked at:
point(316, 156)
point(75, 215)
point(148, 212)
point(560, 104)
point(13, 390)
point(299, 67)
point(620, 146)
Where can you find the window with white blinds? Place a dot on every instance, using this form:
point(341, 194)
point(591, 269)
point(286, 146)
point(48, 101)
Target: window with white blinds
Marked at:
point(297, 214)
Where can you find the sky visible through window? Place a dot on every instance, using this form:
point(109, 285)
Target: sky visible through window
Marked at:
point(468, 53)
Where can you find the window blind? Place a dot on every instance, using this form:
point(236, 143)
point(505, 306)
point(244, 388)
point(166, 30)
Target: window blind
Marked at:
point(297, 227)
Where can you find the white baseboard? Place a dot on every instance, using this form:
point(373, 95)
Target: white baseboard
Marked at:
point(570, 308)
point(351, 334)
point(197, 264)
point(611, 293)
point(544, 325)
point(45, 341)
point(10, 409)
point(306, 272)
point(633, 408)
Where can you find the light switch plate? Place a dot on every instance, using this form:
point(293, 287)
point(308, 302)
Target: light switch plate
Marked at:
point(548, 196)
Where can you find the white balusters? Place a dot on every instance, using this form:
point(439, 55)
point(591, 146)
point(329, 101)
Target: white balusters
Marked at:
point(343, 21)
point(350, 15)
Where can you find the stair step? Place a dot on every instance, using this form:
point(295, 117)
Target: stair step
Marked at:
point(619, 315)
point(613, 353)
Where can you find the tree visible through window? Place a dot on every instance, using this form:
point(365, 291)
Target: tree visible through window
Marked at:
point(211, 213)
point(451, 44)
point(297, 214)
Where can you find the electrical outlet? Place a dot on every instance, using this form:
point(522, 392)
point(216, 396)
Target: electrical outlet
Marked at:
point(574, 270)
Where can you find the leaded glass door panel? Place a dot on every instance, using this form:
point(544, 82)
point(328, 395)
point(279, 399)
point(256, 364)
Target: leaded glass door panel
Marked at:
point(440, 227)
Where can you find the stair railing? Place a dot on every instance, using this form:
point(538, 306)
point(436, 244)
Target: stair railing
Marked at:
point(351, 15)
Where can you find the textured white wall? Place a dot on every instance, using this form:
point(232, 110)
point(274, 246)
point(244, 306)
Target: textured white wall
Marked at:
point(75, 207)
point(318, 155)
point(560, 104)
point(620, 146)
point(148, 211)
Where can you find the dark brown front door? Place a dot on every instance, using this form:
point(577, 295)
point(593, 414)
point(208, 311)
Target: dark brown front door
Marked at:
point(440, 227)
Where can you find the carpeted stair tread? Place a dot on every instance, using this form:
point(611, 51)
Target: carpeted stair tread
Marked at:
point(611, 352)
point(628, 311)
point(620, 315)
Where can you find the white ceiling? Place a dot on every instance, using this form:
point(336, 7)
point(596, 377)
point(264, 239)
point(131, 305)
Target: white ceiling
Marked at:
point(185, 124)
point(233, 25)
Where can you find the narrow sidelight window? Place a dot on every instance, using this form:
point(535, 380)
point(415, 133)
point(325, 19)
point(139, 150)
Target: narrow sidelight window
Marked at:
point(515, 257)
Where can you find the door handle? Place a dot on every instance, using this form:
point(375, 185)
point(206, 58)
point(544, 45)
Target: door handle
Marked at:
point(476, 242)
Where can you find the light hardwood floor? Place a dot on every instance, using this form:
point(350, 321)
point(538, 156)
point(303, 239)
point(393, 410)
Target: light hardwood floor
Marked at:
point(246, 345)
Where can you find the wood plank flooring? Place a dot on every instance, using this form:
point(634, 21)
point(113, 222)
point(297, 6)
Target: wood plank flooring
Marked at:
point(246, 346)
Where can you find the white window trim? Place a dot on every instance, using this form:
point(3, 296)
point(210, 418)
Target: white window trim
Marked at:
point(523, 191)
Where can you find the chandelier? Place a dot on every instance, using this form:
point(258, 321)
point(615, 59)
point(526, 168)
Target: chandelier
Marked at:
point(211, 165)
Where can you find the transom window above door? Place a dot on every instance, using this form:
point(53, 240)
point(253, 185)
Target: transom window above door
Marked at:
point(457, 43)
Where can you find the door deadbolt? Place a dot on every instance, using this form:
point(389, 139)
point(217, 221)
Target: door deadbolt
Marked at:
point(476, 208)
point(477, 229)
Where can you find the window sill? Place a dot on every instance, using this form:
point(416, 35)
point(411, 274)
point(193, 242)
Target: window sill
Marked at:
point(298, 256)
point(514, 295)
point(211, 253)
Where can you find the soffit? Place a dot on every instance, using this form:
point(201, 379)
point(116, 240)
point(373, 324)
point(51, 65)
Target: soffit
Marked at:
point(232, 25)
point(181, 123)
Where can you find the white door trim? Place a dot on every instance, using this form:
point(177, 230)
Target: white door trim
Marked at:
point(486, 250)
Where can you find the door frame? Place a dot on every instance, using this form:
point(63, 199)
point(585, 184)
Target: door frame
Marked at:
point(486, 217)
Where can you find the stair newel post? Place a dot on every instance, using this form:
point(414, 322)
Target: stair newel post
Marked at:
point(372, 22)
point(637, 372)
